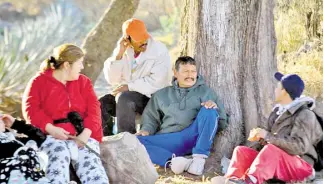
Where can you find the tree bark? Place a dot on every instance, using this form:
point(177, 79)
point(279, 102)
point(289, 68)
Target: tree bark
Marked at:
point(101, 41)
point(234, 45)
point(313, 21)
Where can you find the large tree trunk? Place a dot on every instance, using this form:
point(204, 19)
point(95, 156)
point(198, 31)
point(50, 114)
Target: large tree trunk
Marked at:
point(234, 44)
point(101, 41)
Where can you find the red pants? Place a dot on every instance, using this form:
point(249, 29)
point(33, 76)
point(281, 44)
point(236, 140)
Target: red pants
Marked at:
point(270, 162)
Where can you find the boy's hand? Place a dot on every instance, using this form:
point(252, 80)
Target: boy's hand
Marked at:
point(257, 133)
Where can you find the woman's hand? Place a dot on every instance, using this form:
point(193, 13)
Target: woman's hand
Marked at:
point(8, 120)
point(84, 137)
point(56, 132)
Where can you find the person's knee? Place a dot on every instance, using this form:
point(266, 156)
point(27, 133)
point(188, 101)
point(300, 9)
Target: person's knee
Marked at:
point(125, 101)
point(208, 110)
point(270, 148)
point(102, 99)
point(60, 151)
point(93, 141)
point(105, 99)
point(212, 113)
point(142, 139)
point(240, 149)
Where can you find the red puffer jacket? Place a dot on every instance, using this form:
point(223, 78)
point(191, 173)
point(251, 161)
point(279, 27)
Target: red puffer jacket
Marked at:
point(46, 99)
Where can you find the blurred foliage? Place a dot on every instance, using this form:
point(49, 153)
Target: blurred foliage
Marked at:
point(26, 45)
point(309, 66)
point(302, 7)
point(298, 26)
point(295, 21)
point(170, 29)
point(148, 11)
point(30, 7)
point(290, 32)
point(93, 9)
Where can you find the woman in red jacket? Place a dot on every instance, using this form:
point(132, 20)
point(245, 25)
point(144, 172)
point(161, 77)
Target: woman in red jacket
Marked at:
point(62, 103)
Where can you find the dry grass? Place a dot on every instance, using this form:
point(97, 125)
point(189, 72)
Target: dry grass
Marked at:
point(185, 178)
point(309, 66)
point(167, 176)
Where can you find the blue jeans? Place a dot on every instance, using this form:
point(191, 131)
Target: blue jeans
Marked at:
point(195, 139)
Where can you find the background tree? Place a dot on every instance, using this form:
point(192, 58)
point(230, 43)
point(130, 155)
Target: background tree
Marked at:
point(298, 26)
point(309, 12)
point(234, 44)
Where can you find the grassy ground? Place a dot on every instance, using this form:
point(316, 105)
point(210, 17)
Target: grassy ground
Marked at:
point(167, 176)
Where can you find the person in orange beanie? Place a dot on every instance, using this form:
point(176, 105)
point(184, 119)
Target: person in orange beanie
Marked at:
point(138, 68)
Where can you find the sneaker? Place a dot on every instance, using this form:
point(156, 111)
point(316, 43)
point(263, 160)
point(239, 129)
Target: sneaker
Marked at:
point(197, 165)
point(249, 180)
point(252, 179)
point(312, 177)
point(218, 180)
point(179, 164)
point(234, 181)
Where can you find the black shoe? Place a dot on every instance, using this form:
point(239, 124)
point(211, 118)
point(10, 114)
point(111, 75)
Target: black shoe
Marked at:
point(275, 181)
point(235, 181)
point(239, 181)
